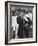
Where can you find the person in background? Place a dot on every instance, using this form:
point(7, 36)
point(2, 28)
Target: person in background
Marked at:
point(28, 24)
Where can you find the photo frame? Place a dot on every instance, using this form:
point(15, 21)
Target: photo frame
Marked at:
point(20, 22)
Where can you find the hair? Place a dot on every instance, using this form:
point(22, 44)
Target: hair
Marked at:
point(13, 13)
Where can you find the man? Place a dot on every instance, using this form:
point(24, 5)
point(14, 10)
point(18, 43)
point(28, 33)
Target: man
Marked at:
point(20, 28)
point(21, 22)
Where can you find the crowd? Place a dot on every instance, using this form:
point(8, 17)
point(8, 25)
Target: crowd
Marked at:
point(23, 24)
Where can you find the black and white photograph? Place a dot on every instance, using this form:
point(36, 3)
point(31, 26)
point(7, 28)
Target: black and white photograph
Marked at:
point(20, 22)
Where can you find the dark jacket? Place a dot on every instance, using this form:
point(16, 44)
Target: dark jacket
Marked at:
point(22, 30)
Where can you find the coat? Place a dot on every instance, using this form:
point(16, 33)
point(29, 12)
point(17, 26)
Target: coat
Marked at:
point(23, 31)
